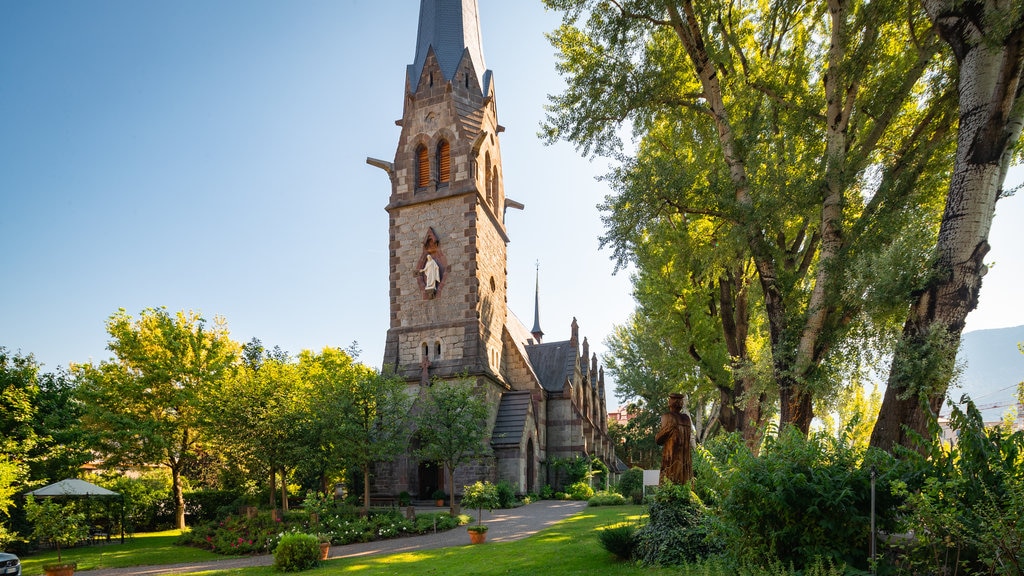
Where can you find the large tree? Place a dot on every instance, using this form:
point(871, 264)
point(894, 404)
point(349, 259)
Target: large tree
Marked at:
point(799, 138)
point(257, 413)
point(374, 423)
point(987, 38)
point(144, 404)
point(452, 427)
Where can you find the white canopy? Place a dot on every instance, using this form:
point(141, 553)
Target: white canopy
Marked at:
point(72, 487)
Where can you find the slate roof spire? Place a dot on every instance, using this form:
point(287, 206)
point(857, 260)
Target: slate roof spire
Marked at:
point(538, 334)
point(451, 28)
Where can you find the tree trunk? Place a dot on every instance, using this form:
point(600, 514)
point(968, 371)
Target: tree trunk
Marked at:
point(273, 487)
point(366, 488)
point(284, 490)
point(179, 496)
point(989, 89)
point(453, 509)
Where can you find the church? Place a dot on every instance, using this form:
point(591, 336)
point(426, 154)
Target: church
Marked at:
point(448, 282)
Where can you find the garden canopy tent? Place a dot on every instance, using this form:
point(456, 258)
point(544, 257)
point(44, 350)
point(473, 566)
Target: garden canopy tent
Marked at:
point(72, 487)
point(75, 488)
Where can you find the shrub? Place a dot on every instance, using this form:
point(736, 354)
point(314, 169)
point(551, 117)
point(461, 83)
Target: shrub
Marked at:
point(803, 499)
point(235, 535)
point(679, 530)
point(206, 505)
point(632, 480)
point(580, 491)
point(966, 511)
point(506, 495)
point(546, 492)
point(606, 499)
point(619, 540)
point(297, 552)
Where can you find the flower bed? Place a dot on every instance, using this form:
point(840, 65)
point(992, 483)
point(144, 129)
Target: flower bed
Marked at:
point(260, 534)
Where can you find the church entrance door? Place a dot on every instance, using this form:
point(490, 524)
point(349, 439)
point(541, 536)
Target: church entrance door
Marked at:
point(431, 479)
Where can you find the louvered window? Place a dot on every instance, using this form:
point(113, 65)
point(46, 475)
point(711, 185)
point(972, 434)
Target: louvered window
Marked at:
point(422, 167)
point(444, 162)
point(487, 177)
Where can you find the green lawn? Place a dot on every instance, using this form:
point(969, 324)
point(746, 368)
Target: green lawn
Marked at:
point(142, 549)
point(570, 547)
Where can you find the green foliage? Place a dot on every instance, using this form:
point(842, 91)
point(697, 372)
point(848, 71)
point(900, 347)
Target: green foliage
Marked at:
point(480, 495)
point(547, 492)
point(143, 496)
point(631, 484)
point(802, 499)
point(606, 499)
point(236, 535)
point(580, 491)
point(678, 531)
point(506, 494)
point(145, 406)
point(619, 540)
point(297, 552)
point(571, 470)
point(779, 153)
point(452, 425)
point(55, 523)
point(966, 511)
point(18, 390)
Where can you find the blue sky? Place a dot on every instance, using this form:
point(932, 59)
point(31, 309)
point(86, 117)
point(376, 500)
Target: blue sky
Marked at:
point(211, 156)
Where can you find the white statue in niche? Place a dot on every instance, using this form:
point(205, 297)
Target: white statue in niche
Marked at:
point(431, 273)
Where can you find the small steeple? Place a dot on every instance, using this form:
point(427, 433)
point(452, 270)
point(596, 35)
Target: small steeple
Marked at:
point(451, 28)
point(538, 334)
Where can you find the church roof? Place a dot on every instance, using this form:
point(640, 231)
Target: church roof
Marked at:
point(451, 28)
point(554, 363)
point(511, 421)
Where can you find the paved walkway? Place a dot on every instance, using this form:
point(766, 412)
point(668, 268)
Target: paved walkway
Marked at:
point(504, 526)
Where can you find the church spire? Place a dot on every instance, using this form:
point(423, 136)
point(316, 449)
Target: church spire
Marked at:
point(537, 332)
point(451, 28)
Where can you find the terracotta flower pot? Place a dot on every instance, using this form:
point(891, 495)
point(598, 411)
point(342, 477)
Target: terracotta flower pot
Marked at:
point(60, 569)
point(476, 537)
point(325, 549)
point(440, 502)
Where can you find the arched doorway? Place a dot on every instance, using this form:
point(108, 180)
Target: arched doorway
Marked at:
point(531, 470)
point(431, 478)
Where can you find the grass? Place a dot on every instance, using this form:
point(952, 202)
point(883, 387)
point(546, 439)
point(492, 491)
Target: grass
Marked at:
point(142, 550)
point(568, 548)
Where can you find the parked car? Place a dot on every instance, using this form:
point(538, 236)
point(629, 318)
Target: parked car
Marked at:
point(9, 565)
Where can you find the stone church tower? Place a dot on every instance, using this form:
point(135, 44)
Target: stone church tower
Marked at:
point(448, 251)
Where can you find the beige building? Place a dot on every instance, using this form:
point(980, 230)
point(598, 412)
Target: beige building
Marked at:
point(448, 284)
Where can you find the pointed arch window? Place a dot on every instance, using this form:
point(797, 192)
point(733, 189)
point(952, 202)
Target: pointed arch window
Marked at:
point(444, 163)
point(487, 177)
point(494, 188)
point(422, 167)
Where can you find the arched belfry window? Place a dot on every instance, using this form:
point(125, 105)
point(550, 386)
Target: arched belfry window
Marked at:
point(426, 350)
point(487, 177)
point(422, 167)
point(437, 350)
point(494, 188)
point(444, 162)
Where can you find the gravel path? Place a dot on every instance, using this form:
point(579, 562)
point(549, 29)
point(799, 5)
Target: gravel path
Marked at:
point(504, 526)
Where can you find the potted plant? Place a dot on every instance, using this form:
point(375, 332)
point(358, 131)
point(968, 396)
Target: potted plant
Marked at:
point(439, 496)
point(53, 522)
point(325, 544)
point(479, 495)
